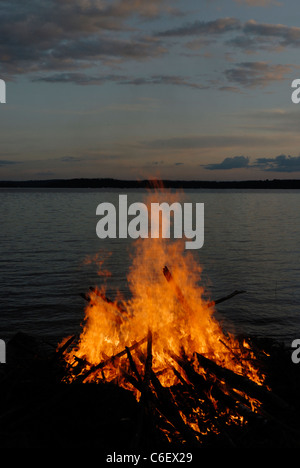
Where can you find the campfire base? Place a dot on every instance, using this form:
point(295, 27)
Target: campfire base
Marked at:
point(38, 410)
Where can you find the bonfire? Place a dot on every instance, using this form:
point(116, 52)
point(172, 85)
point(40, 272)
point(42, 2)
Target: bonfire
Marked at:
point(166, 346)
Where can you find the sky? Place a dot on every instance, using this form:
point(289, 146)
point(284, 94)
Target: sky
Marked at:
point(134, 89)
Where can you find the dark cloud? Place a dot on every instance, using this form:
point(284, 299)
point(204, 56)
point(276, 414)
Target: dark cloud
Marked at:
point(80, 78)
point(67, 38)
point(236, 162)
point(4, 162)
point(250, 36)
point(281, 163)
point(257, 74)
point(164, 80)
point(244, 74)
point(97, 47)
point(84, 79)
point(65, 34)
point(250, 44)
point(216, 27)
point(262, 36)
point(286, 35)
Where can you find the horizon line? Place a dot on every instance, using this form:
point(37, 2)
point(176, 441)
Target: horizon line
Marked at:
point(85, 182)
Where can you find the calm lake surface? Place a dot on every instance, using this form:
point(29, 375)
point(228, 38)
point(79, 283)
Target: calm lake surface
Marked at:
point(252, 242)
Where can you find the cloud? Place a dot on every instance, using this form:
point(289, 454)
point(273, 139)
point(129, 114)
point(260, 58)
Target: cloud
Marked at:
point(71, 39)
point(79, 78)
point(65, 34)
point(164, 80)
point(97, 47)
point(244, 74)
point(84, 79)
point(249, 36)
point(257, 74)
point(236, 162)
point(281, 163)
point(215, 27)
point(4, 162)
point(251, 44)
point(276, 35)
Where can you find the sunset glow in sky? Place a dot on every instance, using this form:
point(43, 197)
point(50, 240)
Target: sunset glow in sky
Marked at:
point(181, 89)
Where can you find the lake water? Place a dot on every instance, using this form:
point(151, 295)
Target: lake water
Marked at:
point(252, 242)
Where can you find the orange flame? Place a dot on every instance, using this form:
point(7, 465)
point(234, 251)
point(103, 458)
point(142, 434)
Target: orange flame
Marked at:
point(171, 303)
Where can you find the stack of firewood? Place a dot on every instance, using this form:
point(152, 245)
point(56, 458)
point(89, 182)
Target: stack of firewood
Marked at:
point(208, 402)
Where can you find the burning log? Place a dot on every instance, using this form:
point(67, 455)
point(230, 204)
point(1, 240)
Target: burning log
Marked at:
point(133, 367)
point(110, 360)
point(171, 412)
point(225, 298)
point(160, 399)
point(181, 298)
point(241, 383)
point(177, 290)
point(158, 413)
point(65, 346)
point(148, 363)
point(204, 388)
point(148, 418)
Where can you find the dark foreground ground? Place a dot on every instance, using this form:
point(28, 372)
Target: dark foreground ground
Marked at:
point(37, 410)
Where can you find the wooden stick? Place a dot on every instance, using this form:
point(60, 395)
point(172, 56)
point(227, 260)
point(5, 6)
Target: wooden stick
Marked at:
point(171, 411)
point(225, 298)
point(65, 346)
point(133, 366)
point(202, 386)
point(181, 297)
point(177, 290)
point(111, 359)
point(148, 363)
point(158, 415)
point(241, 383)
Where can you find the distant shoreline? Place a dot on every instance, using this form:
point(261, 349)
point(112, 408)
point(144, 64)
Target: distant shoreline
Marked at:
point(184, 184)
